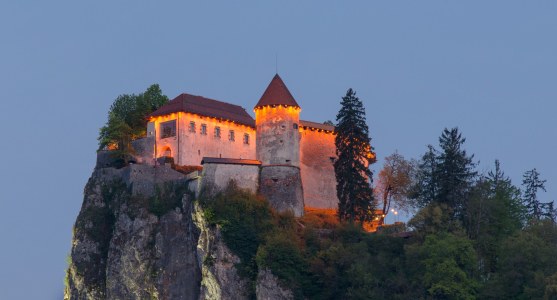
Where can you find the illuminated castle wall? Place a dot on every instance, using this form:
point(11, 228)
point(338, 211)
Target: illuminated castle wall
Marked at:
point(296, 156)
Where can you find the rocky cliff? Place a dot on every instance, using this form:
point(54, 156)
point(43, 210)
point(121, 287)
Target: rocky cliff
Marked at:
point(128, 246)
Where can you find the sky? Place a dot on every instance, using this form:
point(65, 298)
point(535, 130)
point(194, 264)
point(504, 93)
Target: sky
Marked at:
point(488, 67)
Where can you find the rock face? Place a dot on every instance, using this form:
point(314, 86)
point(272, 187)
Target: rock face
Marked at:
point(268, 288)
point(128, 246)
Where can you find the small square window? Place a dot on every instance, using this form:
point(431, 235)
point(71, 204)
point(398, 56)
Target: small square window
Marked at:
point(231, 135)
point(203, 129)
point(217, 132)
point(295, 126)
point(192, 126)
point(246, 139)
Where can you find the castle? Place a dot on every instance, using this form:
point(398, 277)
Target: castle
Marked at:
point(289, 160)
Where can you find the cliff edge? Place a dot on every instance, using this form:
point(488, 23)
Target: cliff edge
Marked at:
point(156, 245)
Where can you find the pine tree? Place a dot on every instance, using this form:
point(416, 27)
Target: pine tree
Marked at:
point(352, 141)
point(455, 170)
point(534, 209)
point(445, 176)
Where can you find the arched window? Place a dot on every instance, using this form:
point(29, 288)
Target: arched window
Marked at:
point(295, 126)
point(166, 152)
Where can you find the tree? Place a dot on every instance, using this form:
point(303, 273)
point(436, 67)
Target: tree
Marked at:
point(356, 201)
point(395, 179)
point(445, 176)
point(329, 122)
point(527, 264)
point(493, 212)
point(126, 120)
point(534, 208)
point(449, 261)
point(456, 170)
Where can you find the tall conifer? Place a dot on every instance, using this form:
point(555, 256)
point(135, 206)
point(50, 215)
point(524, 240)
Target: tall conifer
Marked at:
point(356, 201)
point(534, 208)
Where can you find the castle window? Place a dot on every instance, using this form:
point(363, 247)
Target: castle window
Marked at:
point(192, 126)
point(246, 139)
point(168, 129)
point(231, 135)
point(217, 132)
point(295, 126)
point(167, 152)
point(204, 129)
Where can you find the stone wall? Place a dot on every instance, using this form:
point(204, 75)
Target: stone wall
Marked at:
point(142, 177)
point(145, 148)
point(216, 176)
point(282, 185)
point(317, 152)
point(103, 159)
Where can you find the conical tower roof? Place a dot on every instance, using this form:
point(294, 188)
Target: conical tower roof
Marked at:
point(277, 94)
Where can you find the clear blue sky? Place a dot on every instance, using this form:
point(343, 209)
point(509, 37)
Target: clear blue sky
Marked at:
point(488, 67)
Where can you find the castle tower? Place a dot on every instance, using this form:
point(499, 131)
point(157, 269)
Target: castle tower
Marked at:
point(277, 117)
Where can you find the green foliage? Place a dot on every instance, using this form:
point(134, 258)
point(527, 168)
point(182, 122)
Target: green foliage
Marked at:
point(329, 122)
point(167, 198)
point(445, 176)
point(348, 264)
point(432, 220)
point(352, 141)
point(449, 262)
point(245, 220)
point(126, 120)
point(527, 265)
point(68, 260)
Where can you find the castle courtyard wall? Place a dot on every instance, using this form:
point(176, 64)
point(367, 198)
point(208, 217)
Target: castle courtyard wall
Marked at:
point(216, 176)
point(318, 174)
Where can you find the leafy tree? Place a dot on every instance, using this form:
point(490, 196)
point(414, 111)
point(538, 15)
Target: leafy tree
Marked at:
point(434, 219)
point(352, 141)
point(395, 179)
point(449, 261)
point(527, 264)
point(329, 122)
point(493, 212)
point(535, 209)
point(126, 120)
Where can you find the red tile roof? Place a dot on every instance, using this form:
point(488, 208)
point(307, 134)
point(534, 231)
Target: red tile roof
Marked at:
point(317, 125)
point(277, 94)
point(207, 107)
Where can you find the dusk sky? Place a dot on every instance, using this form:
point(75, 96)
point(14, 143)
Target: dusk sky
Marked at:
point(489, 68)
